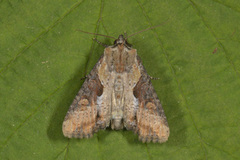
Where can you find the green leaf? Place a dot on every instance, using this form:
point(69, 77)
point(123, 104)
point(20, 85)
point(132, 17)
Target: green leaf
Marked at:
point(195, 53)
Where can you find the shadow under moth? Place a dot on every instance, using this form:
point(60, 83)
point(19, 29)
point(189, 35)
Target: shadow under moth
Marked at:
point(117, 92)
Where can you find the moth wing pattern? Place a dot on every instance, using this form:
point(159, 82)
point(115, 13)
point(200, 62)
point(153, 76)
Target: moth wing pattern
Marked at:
point(80, 120)
point(118, 91)
point(151, 122)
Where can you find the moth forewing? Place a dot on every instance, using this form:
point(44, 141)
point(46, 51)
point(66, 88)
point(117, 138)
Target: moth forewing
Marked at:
point(118, 92)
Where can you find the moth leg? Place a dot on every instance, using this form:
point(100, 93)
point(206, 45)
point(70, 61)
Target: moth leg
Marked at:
point(151, 121)
point(104, 45)
point(83, 78)
point(154, 78)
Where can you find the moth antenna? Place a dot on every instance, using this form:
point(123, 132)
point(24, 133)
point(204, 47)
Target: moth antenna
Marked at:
point(95, 34)
point(147, 29)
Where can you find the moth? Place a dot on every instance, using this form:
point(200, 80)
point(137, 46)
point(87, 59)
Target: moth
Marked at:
point(117, 92)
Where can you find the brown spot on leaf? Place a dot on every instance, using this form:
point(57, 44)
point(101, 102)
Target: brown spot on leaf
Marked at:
point(215, 50)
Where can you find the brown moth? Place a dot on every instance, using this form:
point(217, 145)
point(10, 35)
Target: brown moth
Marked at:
point(117, 92)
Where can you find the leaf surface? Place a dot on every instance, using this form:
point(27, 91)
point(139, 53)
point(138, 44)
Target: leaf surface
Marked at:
point(195, 53)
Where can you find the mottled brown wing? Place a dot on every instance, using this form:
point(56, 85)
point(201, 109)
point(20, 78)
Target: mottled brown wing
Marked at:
point(81, 117)
point(150, 118)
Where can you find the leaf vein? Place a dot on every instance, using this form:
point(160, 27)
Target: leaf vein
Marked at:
point(30, 116)
point(65, 148)
point(228, 6)
point(174, 75)
point(194, 6)
point(40, 36)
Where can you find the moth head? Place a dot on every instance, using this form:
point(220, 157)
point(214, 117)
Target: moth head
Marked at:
point(121, 40)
